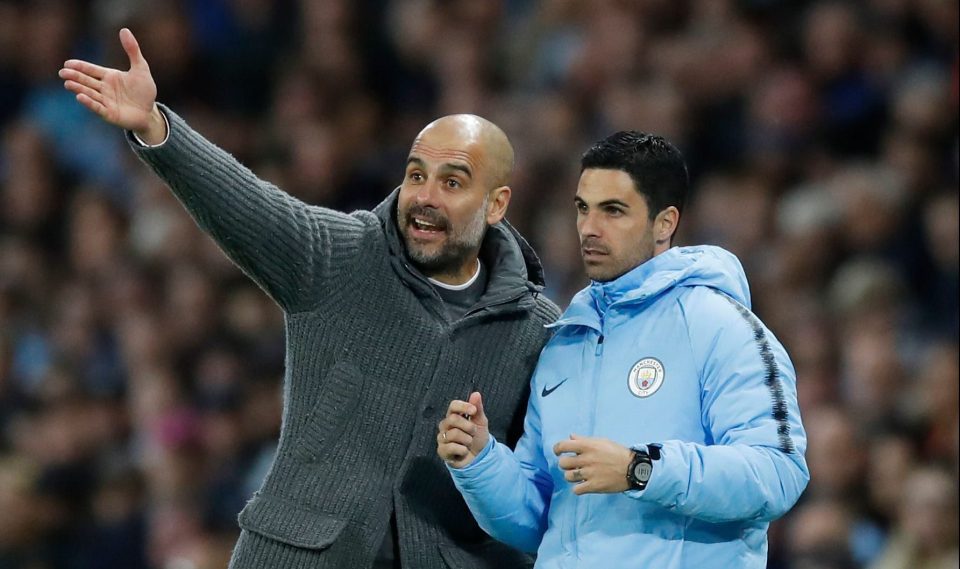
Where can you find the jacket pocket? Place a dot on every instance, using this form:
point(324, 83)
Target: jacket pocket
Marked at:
point(487, 555)
point(290, 523)
point(328, 420)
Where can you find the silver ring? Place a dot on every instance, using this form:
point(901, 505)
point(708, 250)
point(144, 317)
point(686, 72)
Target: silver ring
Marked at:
point(579, 475)
point(444, 435)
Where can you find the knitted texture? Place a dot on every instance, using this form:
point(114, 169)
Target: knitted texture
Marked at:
point(372, 363)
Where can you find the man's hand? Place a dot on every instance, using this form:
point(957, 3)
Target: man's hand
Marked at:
point(463, 432)
point(123, 98)
point(597, 466)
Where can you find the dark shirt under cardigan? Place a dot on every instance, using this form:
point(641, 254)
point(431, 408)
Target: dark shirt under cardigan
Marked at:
point(373, 359)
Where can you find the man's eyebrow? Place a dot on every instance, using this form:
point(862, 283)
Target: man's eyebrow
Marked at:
point(417, 161)
point(606, 203)
point(458, 167)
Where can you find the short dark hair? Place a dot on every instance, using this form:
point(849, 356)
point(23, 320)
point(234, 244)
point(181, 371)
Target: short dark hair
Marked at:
point(656, 167)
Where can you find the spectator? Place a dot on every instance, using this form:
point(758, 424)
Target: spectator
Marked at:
point(831, 126)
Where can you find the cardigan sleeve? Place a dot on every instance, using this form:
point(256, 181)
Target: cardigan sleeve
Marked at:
point(292, 250)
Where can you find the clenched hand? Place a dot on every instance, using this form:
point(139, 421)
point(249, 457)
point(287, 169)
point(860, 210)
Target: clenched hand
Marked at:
point(463, 432)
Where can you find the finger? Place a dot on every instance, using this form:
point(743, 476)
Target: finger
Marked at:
point(456, 436)
point(584, 488)
point(576, 475)
point(452, 452)
point(571, 462)
point(132, 47)
point(461, 423)
point(86, 68)
point(85, 80)
point(458, 407)
point(568, 446)
point(94, 106)
point(81, 78)
point(79, 89)
point(478, 416)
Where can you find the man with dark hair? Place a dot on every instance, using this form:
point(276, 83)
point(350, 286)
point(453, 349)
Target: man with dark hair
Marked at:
point(389, 314)
point(662, 428)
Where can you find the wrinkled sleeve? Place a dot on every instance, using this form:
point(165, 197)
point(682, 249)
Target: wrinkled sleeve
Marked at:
point(754, 468)
point(507, 491)
point(290, 249)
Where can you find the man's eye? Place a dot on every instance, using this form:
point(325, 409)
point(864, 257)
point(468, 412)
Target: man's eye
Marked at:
point(451, 183)
point(416, 176)
point(614, 212)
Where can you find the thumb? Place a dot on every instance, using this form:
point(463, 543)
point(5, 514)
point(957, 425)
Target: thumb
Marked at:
point(477, 401)
point(132, 48)
point(575, 437)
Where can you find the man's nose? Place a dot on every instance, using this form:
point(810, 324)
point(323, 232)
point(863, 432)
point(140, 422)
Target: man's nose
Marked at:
point(427, 192)
point(588, 226)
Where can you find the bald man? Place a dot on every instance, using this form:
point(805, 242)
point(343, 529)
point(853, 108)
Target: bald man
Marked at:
point(390, 314)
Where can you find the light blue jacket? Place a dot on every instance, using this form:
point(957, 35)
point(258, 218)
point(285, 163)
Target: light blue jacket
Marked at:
point(668, 353)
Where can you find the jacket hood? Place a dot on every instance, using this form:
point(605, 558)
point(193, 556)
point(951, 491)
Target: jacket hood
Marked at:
point(510, 260)
point(703, 265)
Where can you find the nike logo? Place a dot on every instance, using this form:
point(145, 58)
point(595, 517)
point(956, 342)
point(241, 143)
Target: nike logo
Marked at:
point(547, 391)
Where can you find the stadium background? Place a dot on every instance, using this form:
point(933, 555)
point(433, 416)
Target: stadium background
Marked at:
point(140, 372)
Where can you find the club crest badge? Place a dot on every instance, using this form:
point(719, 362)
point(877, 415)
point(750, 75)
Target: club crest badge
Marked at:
point(646, 377)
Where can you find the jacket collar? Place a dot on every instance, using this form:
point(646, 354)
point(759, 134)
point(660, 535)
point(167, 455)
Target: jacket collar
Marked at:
point(641, 283)
point(512, 265)
point(702, 265)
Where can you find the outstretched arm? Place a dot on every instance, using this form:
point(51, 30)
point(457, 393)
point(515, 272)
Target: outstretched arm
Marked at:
point(290, 249)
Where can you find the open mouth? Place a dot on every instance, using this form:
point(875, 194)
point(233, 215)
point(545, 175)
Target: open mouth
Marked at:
point(423, 225)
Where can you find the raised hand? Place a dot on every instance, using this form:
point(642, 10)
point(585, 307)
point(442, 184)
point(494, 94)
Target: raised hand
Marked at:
point(463, 432)
point(123, 98)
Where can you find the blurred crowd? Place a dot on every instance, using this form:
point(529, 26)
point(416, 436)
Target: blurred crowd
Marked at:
point(140, 372)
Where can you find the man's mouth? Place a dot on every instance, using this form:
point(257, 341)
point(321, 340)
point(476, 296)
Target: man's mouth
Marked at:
point(421, 224)
point(591, 247)
point(593, 250)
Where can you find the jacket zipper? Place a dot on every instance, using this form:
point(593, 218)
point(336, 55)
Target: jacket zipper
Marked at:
point(467, 317)
point(593, 391)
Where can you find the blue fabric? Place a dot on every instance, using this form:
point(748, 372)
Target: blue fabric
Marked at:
point(723, 405)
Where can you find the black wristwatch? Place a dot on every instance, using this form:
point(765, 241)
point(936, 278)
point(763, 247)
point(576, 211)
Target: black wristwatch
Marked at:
point(641, 467)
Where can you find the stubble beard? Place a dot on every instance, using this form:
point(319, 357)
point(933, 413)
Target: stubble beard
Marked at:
point(453, 253)
point(611, 272)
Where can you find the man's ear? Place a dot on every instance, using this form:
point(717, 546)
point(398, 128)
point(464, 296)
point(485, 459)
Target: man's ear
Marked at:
point(665, 225)
point(497, 208)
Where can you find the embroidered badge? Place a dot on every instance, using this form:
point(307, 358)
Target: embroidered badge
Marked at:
point(646, 377)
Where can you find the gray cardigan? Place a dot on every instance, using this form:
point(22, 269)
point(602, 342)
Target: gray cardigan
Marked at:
point(372, 362)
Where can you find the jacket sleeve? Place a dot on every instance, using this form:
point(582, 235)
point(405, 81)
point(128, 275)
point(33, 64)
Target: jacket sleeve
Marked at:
point(507, 491)
point(754, 467)
point(290, 249)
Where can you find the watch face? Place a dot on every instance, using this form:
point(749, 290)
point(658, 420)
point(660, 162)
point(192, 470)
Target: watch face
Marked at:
point(642, 471)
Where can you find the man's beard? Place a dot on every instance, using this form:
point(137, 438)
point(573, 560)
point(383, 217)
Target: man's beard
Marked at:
point(459, 244)
point(619, 266)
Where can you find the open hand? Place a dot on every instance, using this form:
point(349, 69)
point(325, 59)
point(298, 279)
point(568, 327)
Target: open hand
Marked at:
point(594, 465)
point(123, 98)
point(463, 432)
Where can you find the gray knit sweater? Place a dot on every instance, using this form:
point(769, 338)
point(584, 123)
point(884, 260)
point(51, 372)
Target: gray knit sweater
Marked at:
point(372, 362)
